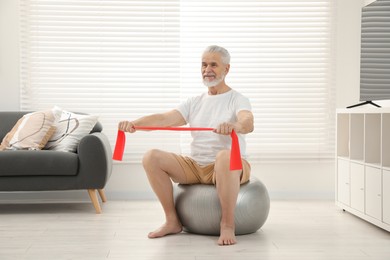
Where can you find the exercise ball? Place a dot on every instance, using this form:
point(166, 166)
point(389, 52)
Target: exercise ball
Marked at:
point(199, 210)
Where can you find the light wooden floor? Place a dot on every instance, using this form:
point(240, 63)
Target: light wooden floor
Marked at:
point(300, 230)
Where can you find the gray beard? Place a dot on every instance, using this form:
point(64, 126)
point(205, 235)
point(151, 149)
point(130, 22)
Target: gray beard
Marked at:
point(214, 82)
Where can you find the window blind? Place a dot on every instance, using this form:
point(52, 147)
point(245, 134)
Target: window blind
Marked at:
point(125, 59)
point(116, 59)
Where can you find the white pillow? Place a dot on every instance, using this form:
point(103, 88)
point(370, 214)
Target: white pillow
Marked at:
point(32, 131)
point(70, 129)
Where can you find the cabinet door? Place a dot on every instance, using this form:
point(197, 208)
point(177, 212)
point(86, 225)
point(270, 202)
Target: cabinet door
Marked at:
point(357, 186)
point(374, 192)
point(343, 187)
point(386, 196)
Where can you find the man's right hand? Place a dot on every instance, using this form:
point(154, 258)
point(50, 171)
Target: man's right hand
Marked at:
point(126, 126)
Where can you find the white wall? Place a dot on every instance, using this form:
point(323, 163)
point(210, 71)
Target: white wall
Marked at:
point(297, 180)
point(9, 55)
point(347, 52)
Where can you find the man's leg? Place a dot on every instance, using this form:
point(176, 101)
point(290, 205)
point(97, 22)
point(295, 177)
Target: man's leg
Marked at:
point(160, 167)
point(228, 186)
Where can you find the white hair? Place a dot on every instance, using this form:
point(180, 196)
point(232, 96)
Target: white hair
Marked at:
point(224, 53)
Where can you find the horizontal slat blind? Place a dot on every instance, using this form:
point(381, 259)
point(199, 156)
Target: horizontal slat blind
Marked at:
point(117, 59)
point(125, 59)
point(281, 60)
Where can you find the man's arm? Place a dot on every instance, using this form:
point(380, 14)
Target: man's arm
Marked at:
point(170, 118)
point(243, 125)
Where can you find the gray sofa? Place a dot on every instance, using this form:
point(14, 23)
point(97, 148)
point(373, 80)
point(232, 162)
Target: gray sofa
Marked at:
point(45, 170)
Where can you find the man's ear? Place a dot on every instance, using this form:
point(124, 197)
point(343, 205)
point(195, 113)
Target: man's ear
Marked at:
point(227, 68)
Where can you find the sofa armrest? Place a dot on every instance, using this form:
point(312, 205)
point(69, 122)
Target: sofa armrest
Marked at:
point(95, 161)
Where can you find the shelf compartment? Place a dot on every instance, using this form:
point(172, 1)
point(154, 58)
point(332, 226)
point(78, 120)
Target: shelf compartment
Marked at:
point(386, 140)
point(356, 137)
point(372, 139)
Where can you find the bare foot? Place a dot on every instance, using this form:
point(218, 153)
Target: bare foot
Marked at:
point(227, 236)
point(166, 229)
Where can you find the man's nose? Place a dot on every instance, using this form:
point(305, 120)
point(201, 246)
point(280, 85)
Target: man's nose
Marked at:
point(208, 68)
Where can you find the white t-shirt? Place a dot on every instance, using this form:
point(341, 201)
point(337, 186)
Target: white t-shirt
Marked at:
point(210, 111)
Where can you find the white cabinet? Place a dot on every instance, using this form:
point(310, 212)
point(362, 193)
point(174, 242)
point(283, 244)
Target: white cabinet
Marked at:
point(386, 196)
point(343, 187)
point(363, 164)
point(357, 186)
point(374, 192)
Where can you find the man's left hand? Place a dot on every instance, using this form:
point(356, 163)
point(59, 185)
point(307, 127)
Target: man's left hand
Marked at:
point(225, 128)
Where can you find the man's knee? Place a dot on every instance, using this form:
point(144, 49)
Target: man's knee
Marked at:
point(222, 166)
point(151, 156)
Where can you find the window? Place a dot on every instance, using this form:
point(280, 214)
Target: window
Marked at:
point(125, 59)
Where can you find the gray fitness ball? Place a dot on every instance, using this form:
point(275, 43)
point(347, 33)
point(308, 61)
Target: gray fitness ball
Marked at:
point(199, 209)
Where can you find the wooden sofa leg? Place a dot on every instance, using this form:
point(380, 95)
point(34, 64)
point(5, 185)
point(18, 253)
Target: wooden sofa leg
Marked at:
point(95, 201)
point(102, 195)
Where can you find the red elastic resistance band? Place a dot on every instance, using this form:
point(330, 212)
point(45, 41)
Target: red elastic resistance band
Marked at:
point(235, 155)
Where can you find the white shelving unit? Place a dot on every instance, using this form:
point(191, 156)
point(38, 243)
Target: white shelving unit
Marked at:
point(363, 164)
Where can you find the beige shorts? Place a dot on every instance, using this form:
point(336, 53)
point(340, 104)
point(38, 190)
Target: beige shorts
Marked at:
point(205, 174)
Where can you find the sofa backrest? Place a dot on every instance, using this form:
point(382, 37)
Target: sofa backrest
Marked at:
point(9, 118)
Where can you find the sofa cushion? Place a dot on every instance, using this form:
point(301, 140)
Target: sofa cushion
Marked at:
point(38, 163)
point(32, 131)
point(70, 129)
